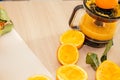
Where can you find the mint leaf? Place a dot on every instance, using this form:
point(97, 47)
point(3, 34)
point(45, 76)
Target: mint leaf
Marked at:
point(3, 15)
point(92, 59)
point(108, 46)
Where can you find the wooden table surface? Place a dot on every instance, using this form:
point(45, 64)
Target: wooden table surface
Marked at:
point(40, 24)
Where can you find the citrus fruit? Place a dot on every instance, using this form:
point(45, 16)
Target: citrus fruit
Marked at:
point(72, 36)
point(39, 77)
point(2, 25)
point(91, 30)
point(71, 72)
point(108, 70)
point(67, 54)
point(106, 4)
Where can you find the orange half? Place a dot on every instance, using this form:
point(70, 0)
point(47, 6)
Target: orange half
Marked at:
point(71, 72)
point(39, 77)
point(74, 37)
point(67, 54)
point(108, 70)
point(106, 4)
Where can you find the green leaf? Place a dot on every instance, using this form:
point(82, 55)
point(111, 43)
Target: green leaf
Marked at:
point(7, 28)
point(92, 59)
point(108, 46)
point(3, 15)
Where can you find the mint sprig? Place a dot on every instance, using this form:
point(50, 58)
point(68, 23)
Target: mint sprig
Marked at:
point(92, 58)
point(108, 46)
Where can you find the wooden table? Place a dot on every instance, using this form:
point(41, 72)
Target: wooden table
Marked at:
point(40, 24)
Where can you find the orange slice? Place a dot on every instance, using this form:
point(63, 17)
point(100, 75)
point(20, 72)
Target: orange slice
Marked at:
point(67, 54)
point(73, 36)
point(71, 72)
point(39, 77)
point(106, 4)
point(108, 71)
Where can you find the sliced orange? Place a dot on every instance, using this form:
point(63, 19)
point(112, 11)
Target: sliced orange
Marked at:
point(73, 36)
point(71, 72)
point(108, 70)
point(106, 4)
point(67, 54)
point(39, 77)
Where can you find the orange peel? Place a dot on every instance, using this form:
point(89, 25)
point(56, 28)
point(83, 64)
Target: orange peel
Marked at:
point(71, 72)
point(39, 77)
point(74, 37)
point(108, 70)
point(67, 54)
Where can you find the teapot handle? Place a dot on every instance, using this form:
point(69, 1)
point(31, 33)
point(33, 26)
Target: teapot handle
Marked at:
point(73, 15)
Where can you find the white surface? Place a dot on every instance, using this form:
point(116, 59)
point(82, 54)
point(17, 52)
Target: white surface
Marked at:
point(17, 61)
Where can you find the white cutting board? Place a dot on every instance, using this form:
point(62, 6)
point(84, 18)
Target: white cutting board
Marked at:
point(17, 61)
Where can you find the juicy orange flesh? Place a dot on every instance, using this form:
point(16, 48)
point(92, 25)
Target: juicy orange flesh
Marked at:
point(68, 54)
point(108, 71)
point(71, 73)
point(106, 4)
point(73, 36)
point(93, 31)
point(38, 78)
